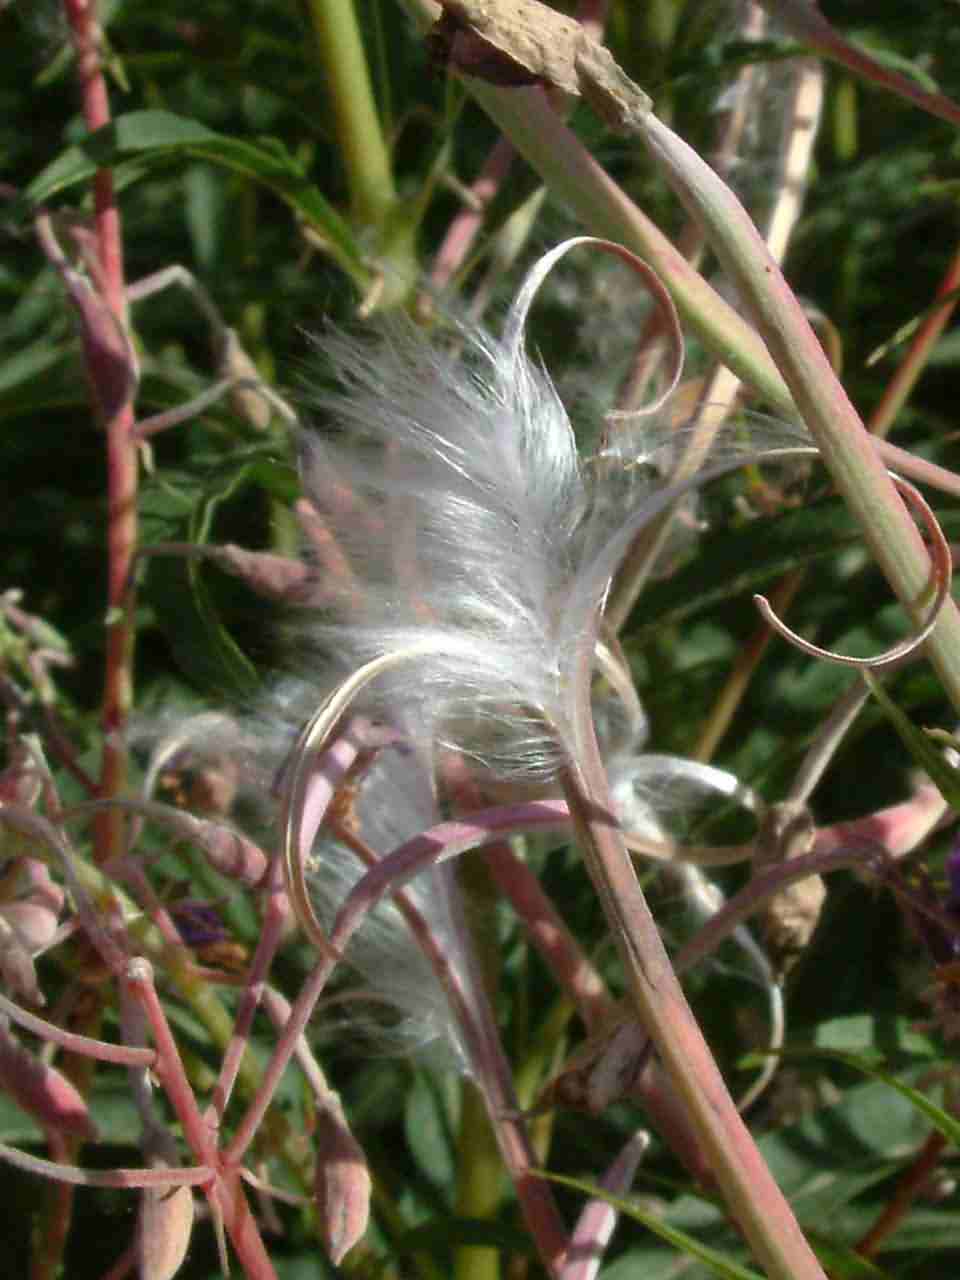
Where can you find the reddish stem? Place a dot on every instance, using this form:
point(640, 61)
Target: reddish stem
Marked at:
point(275, 920)
point(918, 353)
point(115, 400)
point(491, 1071)
point(225, 1192)
point(464, 228)
point(561, 952)
point(915, 1178)
point(58, 1214)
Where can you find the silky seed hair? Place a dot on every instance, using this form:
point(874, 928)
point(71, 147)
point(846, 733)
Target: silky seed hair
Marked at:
point(473, 528)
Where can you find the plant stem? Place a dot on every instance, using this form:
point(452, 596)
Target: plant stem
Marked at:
point(748, 659)
point(846, 448)
point(115, 401)
point(916, 1177)
point(572, 174)
point(479, 1179)
point(918, 353)
point(655, 994)
point(660, 1007)
point(360, 137)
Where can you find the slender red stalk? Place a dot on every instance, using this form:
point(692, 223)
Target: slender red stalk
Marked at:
point(121, 1054)
point(114, 391)
point(561, 952)
point(918, 353)
point(490, 1068)
point(915, 1178)
point(225, 1193)
point(275, 920)
point(465, 226)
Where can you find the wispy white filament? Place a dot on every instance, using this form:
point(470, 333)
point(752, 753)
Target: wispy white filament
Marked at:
point(394, 804)
point(474, 529)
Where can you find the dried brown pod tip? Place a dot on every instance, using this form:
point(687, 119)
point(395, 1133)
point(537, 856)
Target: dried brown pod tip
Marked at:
point(790, 918)
point(522, 42)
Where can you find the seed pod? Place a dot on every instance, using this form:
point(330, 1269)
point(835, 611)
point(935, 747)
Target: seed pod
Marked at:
point(791, 916)
point(341, 1185)
point(246, 400)
point(165, 1228)
point(42, 1091)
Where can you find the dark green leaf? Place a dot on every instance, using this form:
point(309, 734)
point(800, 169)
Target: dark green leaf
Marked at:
point(158, 135)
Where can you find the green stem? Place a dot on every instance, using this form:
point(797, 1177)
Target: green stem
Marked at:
point(479, 1164)
point(479, 1184)
point(362, 144)
point(848, 451)
point(572, 174)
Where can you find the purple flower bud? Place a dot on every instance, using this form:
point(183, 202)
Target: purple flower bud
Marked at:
point(953, 876)
point(199, 922)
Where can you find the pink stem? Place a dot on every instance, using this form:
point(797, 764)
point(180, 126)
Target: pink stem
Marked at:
point(902, 383)
point(491, 1071)
point(228, 851)
point(464, 228)
point(761, 889)
point(115, 397)
point(445, 840)
point(592, 15)
point(560, 950)
point(57, 1216)
point(120, 1054)
point(286, 1047)
point(74, 1175)
point(599, 1217)
point(225, 1192)
point(898, 829)
point(275, 920)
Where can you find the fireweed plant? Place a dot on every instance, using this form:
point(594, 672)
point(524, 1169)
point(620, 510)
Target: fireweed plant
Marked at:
point(478, 547)
point(384, 834)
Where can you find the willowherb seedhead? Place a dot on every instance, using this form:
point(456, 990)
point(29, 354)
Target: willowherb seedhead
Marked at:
point(473, 534)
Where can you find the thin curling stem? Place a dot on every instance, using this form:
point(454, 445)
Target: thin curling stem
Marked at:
point(943, 572)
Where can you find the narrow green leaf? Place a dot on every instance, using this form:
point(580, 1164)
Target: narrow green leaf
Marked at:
point(30, 362)
point(866, 1064)
point(941, 1120)
point(153, 135)
point(185, 608)
point(720, 1265)
point(924, 751)
point(430, 1125)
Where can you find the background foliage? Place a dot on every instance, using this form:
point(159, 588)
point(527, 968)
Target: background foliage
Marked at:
point(879, 226)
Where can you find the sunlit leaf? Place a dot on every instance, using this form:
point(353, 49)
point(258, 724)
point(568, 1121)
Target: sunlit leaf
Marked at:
point(157, 136)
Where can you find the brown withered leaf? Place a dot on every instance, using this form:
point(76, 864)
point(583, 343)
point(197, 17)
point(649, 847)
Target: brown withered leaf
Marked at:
point(522, 42)
point(603, 1070)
